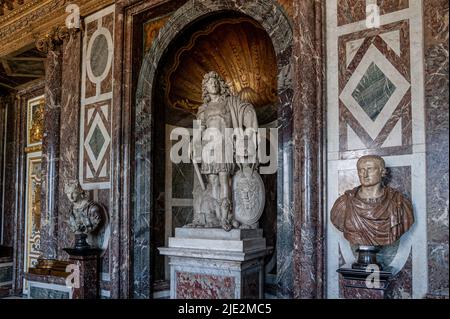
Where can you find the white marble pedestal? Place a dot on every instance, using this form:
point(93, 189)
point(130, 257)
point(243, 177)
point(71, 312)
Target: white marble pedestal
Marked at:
point(215, 264)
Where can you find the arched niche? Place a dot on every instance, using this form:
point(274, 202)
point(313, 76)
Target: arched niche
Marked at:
point(273, 20)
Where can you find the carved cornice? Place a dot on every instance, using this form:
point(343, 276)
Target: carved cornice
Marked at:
point(34, 19)
point(14, 10)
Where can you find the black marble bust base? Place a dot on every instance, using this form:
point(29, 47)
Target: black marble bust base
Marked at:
point(365, 283)
point(367, 255)
point(87, 260)
point(82, 248)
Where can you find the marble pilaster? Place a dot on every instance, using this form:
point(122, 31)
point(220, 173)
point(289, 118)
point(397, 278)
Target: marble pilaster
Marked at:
point(69, 131)
point(9, 169)
point(308, 145)
point(18, 219)
point(51, 152)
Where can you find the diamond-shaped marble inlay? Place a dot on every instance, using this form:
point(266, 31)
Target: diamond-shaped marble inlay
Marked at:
point(96, 142)
point(373, 91)
point(381, 110)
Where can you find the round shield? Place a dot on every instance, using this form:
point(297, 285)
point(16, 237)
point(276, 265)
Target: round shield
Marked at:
point(248, 196)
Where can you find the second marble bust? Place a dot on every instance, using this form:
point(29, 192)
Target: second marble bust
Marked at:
point(372, 214)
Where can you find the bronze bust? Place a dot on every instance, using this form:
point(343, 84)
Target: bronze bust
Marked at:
point(372, 214)
point(86, 215)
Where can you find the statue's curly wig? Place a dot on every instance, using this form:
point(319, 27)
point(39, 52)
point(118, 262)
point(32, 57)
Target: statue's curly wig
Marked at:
point(224, 88)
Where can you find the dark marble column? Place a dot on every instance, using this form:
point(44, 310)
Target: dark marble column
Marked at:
point(308, 149)
point(18, 213)
point(69, 131)
point(10, 163)
point(50, 150)
point(5, 101)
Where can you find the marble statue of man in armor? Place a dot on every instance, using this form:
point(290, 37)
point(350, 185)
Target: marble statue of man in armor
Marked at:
point(221, 111)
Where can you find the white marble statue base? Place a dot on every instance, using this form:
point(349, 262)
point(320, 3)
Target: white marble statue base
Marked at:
point(210, 263)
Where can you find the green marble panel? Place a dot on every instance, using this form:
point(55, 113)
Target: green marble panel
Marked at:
point(96, 142)
point(5, 273)
point(373, 91)
point(47, 293)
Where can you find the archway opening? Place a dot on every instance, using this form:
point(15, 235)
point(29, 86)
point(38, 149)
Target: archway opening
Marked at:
point(241, 52)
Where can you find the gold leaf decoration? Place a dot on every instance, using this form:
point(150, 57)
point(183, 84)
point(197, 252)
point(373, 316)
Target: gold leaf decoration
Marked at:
point(239, 49)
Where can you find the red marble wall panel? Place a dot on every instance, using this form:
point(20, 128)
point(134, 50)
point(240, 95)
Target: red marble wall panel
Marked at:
point(204, 286)
point(436, 16)
point(388, 6)
point(106, 85)
point(350, 11)
point(90, 90)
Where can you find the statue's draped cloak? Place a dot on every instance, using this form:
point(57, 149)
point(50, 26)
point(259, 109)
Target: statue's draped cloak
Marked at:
point(376, 222)
point(243, 114)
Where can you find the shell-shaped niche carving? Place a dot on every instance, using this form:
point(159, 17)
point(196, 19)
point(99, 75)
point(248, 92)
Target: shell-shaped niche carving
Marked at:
point(241, 51)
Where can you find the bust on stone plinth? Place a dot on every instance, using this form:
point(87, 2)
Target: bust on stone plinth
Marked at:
point(372, 214)
point(85, 216)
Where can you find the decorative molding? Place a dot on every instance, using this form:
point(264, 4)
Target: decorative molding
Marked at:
point(96, 100)
point(14, 10)
point(33, 149)
point(35, 121)
point(8, 4)
point(31, 21)
point(53, 38)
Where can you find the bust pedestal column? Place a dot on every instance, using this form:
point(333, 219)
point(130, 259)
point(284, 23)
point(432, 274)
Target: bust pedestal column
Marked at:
point(87, 260)
point(370, 283)
point(210, 263)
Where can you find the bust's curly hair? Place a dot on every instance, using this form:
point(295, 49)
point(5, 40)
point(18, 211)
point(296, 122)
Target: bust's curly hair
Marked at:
point(72, 185)
point(224, 88)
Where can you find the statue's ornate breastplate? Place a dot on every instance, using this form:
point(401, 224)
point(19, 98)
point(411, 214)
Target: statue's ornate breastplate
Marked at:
point(218, 115)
